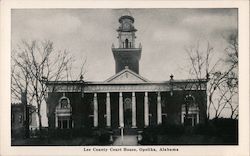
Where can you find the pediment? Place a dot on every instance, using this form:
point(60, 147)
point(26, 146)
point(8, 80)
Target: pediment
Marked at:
point(126, 76)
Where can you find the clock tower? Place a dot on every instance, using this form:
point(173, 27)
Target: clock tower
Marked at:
point(126, 55)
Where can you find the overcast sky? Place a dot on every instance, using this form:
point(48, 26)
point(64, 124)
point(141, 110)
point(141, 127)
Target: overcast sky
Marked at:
point(89, 33)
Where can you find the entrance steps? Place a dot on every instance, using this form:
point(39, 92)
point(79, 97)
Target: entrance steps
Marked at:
point(126, 131)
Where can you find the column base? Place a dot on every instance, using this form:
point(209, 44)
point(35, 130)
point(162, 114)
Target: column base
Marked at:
point(134, 127)
point(108, 127)
point(94, 128)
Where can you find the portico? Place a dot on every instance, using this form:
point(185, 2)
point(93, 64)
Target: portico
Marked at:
point(124, 105)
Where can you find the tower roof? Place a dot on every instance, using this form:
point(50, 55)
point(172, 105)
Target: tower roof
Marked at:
point(126, 17)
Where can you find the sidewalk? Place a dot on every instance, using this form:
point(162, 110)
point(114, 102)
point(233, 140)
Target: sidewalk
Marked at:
point(128, 140)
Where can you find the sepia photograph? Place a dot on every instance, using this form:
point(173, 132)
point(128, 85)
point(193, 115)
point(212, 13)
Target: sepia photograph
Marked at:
point(125, 77)
point(130, 77)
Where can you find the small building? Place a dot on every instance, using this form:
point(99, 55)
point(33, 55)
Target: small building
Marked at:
point(126, 99)
point(18, 119)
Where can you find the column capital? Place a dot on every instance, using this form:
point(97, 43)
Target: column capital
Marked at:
point(133, 93)
point(159, 93)
point(120, 93)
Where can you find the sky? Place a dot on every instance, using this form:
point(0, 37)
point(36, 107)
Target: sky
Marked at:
point(89, 34)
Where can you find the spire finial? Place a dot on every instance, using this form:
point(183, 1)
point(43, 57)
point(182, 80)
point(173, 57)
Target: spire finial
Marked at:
point(126, 12)
point(171, 77)
point(81, 77)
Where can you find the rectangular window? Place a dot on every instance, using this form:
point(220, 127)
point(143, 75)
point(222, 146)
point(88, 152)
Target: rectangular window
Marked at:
point(191, 120)
point(59, 123)
point(20, 119)
point(64, 122)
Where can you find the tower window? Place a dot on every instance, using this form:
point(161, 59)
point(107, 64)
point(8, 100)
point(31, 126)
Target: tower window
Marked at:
point(126, 43)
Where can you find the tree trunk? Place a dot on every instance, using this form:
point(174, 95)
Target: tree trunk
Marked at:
point(27, 122)
point(40, 120)
point(25, 114)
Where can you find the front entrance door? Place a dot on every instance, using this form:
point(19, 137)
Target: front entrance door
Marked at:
point(128, 113)
point(128, 118)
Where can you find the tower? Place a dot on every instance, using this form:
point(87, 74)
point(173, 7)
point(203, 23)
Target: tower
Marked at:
point(126, 54)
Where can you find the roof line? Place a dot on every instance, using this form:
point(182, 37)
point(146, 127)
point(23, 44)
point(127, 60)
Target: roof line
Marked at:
point(116, 83)
point(123, 71)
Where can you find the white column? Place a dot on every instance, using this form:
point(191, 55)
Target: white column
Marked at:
point(56, 118)
point(95, 110)
point(182, 117)
point(61, 121)
point(72, 123)
point(146, 117)
point(121, 120)
point(68, 123)
point(198, 119)
point(159, 116)
point(108, 112)
point(133, 110)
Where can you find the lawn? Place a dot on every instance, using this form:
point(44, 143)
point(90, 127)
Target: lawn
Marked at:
point(78, 141)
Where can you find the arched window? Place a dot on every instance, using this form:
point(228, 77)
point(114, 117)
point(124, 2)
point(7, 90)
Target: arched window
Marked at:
point(189, 111)
point(126, 43)
point(64, 103)
point(63, 114)
point(127, 103)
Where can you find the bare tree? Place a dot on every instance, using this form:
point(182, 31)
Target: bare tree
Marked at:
point(232, 77)
point(200, 59)
point(232, 49)
point(33, 63)
point(222, 85)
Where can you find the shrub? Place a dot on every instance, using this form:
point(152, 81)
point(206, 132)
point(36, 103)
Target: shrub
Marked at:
point(227, 129)
point(205, 129)
point(81, 132)
point(171, 129)
point(150, 134)
point(224, 128)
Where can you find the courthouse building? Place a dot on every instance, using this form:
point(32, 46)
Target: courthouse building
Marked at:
point(126, 99)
